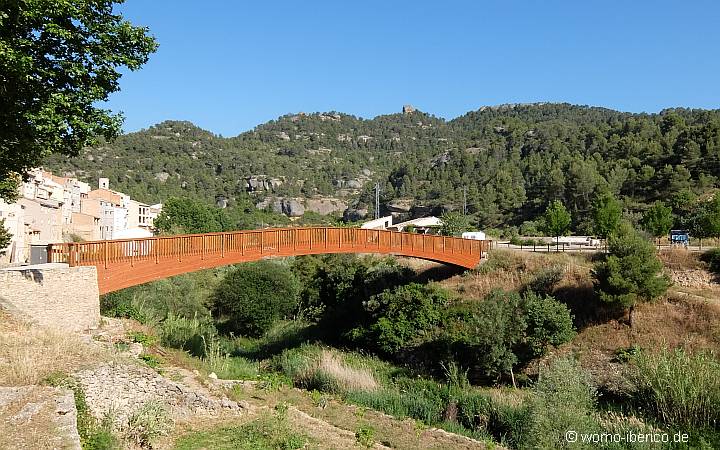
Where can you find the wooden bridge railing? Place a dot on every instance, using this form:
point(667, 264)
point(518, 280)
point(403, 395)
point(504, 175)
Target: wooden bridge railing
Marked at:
point(134, 259)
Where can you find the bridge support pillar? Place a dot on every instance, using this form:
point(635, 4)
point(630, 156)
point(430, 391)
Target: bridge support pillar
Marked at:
point(53, 295)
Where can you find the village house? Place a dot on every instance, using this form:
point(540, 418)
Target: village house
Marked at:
point(52, 209)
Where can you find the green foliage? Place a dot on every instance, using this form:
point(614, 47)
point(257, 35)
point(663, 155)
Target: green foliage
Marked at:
point(556, 219)
point(513, 160)
point(549, 322)
point(681, 389)
point(404, 315)
point(563, 400)
point(5, 237)
point(94, 434)
point(658, 220)
point(191, 335)
point(183, 295)
point(185, 215)
point(365, 436)
point(607, 214)
point(265, 433)
point(505, 329)
point(254, 296)
point(143, 338)
point(712, 258)
point(149, 422)
point(53, 108)
point(335, 288)
point(631, 272)
point(151, 360)
point(454, 224)
point(546, 279)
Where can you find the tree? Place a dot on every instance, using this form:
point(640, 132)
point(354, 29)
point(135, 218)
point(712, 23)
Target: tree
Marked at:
point(253, 296)
point(556, 220)
point(631, 273)
point(5, 237)
point(59, 59)
point(704, 222)
point(607, 214)
point(658, 220)
point(454, 224)
point(185, 215)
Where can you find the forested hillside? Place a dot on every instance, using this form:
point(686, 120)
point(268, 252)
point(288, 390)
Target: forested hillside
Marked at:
point(512, 160)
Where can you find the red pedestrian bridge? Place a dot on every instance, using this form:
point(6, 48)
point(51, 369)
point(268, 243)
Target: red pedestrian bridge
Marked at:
point(123, 263)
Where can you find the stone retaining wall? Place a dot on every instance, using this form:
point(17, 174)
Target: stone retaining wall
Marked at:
point(53, 295)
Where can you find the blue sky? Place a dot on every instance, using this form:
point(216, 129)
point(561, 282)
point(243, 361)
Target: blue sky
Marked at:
point(228, 65)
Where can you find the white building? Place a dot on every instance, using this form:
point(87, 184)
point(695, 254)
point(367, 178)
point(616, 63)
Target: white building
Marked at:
point(378, 224)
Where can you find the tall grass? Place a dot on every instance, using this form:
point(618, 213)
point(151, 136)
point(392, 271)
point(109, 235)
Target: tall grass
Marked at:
point(681, 389)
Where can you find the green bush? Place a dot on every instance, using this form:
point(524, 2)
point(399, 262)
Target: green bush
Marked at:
point(482, 336)
point(148, 422)
point(255, 295)
point(681, 389)
point(549, 322)
point(492, 336)
point(546, 280)
point(563, 400)
point(191, 335)
point(404, 316)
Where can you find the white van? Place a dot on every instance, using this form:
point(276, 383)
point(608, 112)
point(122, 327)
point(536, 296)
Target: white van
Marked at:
point(476, 235)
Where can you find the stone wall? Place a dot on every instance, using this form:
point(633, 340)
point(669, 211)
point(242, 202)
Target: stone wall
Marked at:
point(52, 295)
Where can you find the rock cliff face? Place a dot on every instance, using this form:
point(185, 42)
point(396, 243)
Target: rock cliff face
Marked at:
point(257, 183)
point(296, 207)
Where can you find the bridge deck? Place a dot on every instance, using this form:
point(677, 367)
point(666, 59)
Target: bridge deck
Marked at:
point(127, 262)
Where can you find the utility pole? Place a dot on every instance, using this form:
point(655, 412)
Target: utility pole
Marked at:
point(377, 200)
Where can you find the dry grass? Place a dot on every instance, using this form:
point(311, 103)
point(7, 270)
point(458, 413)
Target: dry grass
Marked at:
point(29, 353)
point(29, 421)
point(680, 258)
point(510, 270)
point(675, 323)
point(329, 368)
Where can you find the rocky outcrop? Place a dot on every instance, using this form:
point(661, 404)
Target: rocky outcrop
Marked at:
point(325, 205)
point(353, 214)
point(400, 205)
point(257, 183)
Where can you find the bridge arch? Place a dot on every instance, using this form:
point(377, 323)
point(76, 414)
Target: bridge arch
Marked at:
point(123, 263)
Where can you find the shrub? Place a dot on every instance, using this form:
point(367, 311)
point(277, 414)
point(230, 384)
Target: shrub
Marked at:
point(546, 280)
point(712, 257)
point(549, 322)
point(186, 334)
point(682, 390)
point(404, 316)
point(482, 335)
point(255, 295)
point(148, 422)
point(492, 336)
point(327, 371)
point(563, 400)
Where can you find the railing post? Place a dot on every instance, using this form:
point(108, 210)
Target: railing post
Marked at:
point(71, 254)
point(242, 244)
point(105, 254)
point(326, 241)
point(202, 247)
point(340, 230)
point(262, 241)
point(222, 245)
point(156, 249)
